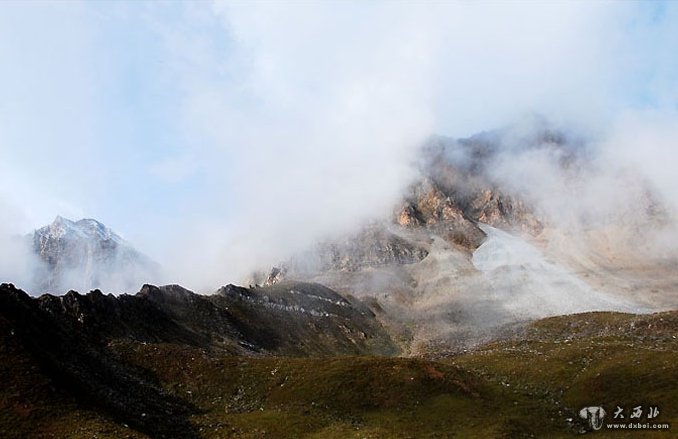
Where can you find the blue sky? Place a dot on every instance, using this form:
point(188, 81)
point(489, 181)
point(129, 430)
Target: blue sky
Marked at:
point(255, 124)
point(93, 105)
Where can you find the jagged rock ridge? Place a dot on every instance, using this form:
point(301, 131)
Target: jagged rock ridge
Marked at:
point(286, 319)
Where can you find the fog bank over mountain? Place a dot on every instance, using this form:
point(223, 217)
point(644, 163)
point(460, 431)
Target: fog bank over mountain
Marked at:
point(346, 112)
point(236, 134)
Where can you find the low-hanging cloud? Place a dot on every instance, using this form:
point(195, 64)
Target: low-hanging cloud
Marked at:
point(298, 121)
point(18, 264)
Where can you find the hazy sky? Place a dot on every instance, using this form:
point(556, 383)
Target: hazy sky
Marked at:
point(200, 131)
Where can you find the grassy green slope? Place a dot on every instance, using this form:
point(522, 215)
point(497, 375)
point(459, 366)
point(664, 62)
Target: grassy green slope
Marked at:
point(337, 397)
point(523, 386)
point(592, 359)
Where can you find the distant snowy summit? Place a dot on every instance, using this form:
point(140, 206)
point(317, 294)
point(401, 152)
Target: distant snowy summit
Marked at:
point(84, 255)
point(89, 229)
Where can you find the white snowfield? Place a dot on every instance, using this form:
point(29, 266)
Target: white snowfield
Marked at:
point(526, 284)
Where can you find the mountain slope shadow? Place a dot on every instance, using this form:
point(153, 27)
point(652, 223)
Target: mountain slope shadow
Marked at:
point(85, 370)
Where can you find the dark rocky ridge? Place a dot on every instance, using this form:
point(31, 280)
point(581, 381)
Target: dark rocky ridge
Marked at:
point(64, 384)
point(296, 319)
point(68, 340)
point(48, 339)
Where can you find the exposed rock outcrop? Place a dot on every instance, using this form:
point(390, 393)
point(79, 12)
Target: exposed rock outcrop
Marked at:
point(499, 210)
point(428, 206)
point(276, 275)
point(374, 246)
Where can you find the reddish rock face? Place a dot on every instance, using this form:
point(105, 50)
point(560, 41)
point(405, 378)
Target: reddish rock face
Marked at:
point(458, 190)
point(428, 206)
point(499, 210)
point(408, 216)
point(435, 206)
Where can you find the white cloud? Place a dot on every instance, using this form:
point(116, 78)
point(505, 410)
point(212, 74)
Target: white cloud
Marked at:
point(302, 119)
point(315, 111)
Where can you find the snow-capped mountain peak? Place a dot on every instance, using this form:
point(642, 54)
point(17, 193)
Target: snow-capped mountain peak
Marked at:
point(87, 227)
point(86, 254)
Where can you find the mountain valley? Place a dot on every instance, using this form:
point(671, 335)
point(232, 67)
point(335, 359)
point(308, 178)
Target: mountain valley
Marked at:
point(471, 311)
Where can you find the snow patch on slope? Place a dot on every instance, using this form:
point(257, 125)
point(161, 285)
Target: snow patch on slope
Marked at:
point(529, 285)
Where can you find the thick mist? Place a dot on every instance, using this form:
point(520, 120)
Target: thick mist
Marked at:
point(338, 99)
point(250, 130)
point(614, 190)
point(17, 262)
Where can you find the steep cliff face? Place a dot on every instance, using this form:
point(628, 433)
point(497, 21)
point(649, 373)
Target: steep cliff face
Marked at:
point(86, 255)
point(428, 206)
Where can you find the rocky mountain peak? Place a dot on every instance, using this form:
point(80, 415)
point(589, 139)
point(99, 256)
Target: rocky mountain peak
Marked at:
point(82, 229)
point(86, 254)
point(58, 228)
